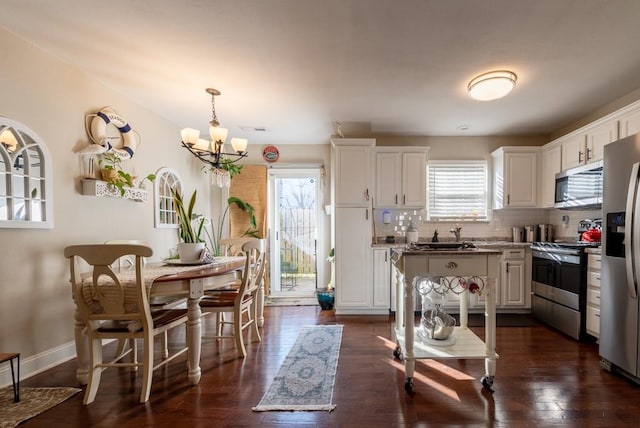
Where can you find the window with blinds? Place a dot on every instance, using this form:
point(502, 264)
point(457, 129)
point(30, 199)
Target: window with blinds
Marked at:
point(457, 190)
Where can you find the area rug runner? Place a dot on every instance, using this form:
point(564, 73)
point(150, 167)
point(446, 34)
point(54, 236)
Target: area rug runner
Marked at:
point(307, 375)
point(33, 401)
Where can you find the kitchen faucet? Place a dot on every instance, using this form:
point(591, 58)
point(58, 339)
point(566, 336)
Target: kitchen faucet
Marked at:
point(456, 231)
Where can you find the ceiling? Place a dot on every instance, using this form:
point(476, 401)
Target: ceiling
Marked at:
point(380, 67)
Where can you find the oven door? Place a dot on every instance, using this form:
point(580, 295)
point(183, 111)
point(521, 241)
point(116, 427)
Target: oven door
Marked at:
point(558, 277)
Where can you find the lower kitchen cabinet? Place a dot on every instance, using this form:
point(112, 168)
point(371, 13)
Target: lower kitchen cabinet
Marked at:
point(514, 284)
point(381, 279)
point(353, 260)
point(593, 295)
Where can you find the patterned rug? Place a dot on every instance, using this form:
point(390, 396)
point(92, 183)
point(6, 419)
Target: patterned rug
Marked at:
point(33, 401)
point(307, 375)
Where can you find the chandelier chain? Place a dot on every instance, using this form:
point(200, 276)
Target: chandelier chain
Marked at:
point(214, 118)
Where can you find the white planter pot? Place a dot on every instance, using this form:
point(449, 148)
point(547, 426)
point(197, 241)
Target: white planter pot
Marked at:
point(190, 252)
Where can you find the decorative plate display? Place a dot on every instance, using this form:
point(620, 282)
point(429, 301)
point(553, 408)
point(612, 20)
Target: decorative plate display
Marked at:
point(271, 153)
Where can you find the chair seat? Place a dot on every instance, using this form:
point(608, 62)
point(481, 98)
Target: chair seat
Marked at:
point(221, 300)
point(160, 318)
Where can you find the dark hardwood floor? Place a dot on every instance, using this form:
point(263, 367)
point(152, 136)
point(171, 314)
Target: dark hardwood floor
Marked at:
point(543, 379)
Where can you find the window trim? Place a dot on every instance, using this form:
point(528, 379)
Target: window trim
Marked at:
point(46, 177)
point(487, 199)
point(166, 178)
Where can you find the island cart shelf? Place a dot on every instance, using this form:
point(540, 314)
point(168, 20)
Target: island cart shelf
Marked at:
point(450, 271)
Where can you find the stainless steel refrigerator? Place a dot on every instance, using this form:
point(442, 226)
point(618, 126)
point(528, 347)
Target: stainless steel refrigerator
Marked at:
point(620, 286)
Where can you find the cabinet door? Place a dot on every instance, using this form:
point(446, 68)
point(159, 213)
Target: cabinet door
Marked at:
point(520, 179)
point(381, 278)
point(599, 137)
point(414, 180)
point(388, 179)
point(551, 165)
point(573, 152)
point(630, 124)
point(513, 283)
point(353, 165)
point(353, 253)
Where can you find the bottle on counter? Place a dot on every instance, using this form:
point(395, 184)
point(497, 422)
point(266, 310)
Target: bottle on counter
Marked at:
point(412, 234)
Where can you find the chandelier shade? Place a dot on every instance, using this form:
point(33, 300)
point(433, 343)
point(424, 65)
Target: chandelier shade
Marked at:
point(212, 152)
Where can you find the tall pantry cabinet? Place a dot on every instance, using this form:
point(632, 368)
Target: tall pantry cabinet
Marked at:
point(351, 181)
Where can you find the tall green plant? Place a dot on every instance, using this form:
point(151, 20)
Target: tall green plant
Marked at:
point(215, 236)
point(188, 233)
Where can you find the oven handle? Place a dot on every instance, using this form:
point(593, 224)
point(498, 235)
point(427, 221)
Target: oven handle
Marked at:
point(632, 232)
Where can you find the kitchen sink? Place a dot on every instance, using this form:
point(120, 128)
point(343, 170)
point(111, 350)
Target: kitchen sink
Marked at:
point(433, 246)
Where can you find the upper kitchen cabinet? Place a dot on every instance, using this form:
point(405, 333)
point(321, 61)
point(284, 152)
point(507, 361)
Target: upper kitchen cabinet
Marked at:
point(587, 145)
point(629, 122)
point(515, 177)
point(352, 166)
point(551, 165)
point(400, 177)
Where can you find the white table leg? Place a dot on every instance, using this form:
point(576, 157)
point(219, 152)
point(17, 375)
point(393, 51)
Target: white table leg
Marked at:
point(82, 349)
point(194, 329)
point(260, 307)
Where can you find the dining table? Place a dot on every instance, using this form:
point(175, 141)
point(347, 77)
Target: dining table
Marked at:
point(173, 280)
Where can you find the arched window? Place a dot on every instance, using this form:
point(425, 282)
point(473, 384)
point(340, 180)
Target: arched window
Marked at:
point(26, 178)
point(165, 214)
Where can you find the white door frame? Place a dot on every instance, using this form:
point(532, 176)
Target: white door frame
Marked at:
point(274, 234)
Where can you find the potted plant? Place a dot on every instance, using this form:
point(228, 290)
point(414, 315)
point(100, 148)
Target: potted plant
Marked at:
point(112, 172)
point(192, 245)
point(326, 296)
point(214, 236)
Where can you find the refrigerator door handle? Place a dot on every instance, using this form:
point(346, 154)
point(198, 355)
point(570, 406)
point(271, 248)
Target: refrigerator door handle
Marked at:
point(632, 231)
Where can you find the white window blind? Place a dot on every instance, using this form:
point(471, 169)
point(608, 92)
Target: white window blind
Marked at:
point(457, 190)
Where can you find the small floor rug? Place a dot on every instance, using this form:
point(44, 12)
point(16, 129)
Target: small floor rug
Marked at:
point(307, 375)
point(33, 401)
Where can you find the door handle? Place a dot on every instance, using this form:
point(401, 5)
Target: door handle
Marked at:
point(580, 156)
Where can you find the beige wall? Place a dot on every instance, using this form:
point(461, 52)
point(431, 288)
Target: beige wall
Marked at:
point(52, 99)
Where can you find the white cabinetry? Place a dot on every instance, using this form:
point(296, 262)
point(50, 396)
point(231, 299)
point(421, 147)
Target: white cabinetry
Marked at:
point(515, 177)
point(551, 165)
point(515, 290)
point(400, 178)
point(629, 123)
point(593, 294)
point(352, 172)
point(351, 225)
point(381, 278)
point(588, 145)
point(353, 259)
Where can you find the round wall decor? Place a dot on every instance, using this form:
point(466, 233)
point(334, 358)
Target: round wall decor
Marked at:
point(270, 153)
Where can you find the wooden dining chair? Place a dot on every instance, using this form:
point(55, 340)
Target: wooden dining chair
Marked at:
point(157, 303)
point(240, 302)
point(113, 308)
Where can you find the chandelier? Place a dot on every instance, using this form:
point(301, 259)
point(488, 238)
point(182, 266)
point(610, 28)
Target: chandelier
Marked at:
point(212, 152)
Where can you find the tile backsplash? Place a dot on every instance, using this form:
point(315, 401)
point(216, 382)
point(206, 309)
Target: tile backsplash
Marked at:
point(565, 223)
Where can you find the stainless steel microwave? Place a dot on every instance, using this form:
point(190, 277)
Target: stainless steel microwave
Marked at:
point(579, 188)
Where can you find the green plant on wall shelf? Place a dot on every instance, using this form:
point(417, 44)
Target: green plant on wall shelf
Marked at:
point(113, 173)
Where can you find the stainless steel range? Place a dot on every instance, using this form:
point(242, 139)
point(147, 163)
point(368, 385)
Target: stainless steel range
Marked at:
point(559, 283)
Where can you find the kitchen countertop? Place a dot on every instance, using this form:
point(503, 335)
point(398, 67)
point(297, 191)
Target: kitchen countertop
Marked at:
point(477, 244)
point(450, 252)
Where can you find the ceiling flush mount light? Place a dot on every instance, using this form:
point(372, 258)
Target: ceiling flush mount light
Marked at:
point(212, 152)
point(492, 85)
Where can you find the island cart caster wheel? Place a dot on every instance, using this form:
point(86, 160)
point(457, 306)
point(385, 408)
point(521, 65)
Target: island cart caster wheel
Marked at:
point(408, 385)
point(487, 382)
point(397, 354)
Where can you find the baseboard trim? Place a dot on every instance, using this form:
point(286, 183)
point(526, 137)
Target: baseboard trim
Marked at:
point(38, 363)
